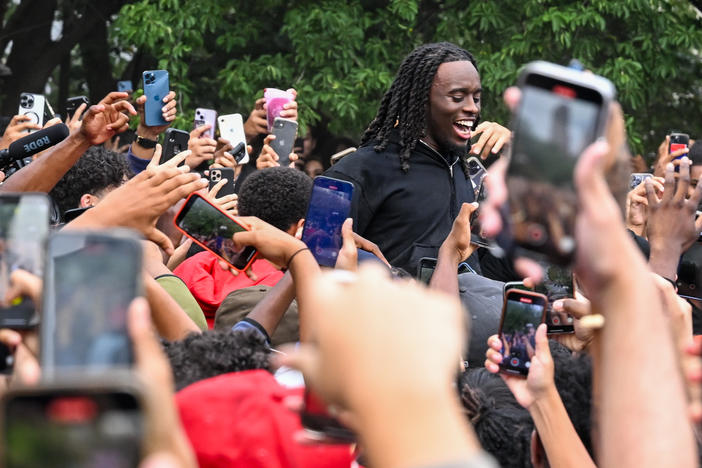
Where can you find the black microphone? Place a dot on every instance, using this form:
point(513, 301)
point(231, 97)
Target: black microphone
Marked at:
point(33, 143)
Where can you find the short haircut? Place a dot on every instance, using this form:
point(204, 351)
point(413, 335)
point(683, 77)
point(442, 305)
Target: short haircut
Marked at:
point(98, 169)
point(277, 195)
point(203, 355)
point(695, 154)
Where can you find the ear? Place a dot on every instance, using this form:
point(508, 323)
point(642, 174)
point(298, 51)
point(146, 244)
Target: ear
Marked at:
point(87, 200)
point(296, 229)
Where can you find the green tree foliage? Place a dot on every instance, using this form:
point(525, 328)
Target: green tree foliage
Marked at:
point(341, 55)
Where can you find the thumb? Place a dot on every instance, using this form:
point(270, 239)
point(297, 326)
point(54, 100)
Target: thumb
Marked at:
point(541, 340)
point(161, 240)
point(589, 176)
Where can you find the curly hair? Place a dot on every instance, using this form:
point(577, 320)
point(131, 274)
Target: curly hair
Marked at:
point(97, 170)
point(277, 195)
point(501, 424)
point(405, 104)
point(203, 355)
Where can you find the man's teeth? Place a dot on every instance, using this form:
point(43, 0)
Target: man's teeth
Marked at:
point(466, 124)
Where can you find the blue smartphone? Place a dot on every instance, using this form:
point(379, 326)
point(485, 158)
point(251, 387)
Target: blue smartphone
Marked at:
point(125, 86)
point(330, 205)
point(156, 88)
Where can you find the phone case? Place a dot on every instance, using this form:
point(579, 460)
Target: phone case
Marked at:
point(174, 142)
point(73, 103)
point(509, 366)
point(285, 131)
point(223, 173)
point(206, 117)
point(156, 88)
point(32, 105)
point(231, 128)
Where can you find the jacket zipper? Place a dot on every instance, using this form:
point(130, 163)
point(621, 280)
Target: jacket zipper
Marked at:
point(451, 181)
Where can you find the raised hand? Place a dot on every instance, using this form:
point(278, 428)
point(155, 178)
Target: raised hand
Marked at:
point(169, 110)
point(202, 148)
point(107, 118)
point(493, 138)
point(17, 128)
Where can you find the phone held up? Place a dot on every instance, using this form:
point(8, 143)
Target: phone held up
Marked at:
point(206, 117)
point(156, 87)
point(561, 112)
point(174, 141)
point(213, 230)
point(637, 178)
point(73, 103)
point(32, 105)
point(216, 175)
point(285, 131)
point(91, 279)
point(330, 205)
point(84, 423)
point(522, 313)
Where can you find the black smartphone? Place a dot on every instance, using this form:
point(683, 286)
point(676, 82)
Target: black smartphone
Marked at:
point(561, 112)
point(91, 279)
point(425, 270)
point(24, 228)
point(73, 103)
point(285, 131)
point(213, 229)
point(476, 236)
point(174, 141)
point(476, 172)
point(320, 425)
point(80, 425)
point(223, 173)
point(522, 313)
point(330, 205)
point(689, 280)
point(678, 141)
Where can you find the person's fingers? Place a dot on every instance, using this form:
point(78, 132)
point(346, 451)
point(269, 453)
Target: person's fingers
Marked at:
point(348, 255)
point(178, 158)
point(573, 307)
point(495, 343)
point(162, 240)
point(292, 91)
point(477, 148)
point(696, 197)
point(293, 157)
point(490, 219)
point(669, 185)
point(79, 112)
point(24, 283)
point(258, 105)
point(541, 341)
point(141, 100)
point(155, 159)
point(251, 275)
point(52, 122)
point(589, 177)
point(27, 126)
point(125, 106)
point(268, 139)
point(678, 153)
point(500, 143)
point(170, 98)
point(199, 131)
point(217, 187)
point(493, 356)
point(10, 338)
point(480, 128)
point(113, 97)
point(528, 269)
point(683, 181)
point(512, 96)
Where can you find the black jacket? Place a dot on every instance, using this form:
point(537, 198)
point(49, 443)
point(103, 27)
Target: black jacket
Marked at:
point(407, 214)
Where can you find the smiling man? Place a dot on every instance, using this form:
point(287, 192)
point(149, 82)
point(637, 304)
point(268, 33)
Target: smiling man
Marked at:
point(410, 176)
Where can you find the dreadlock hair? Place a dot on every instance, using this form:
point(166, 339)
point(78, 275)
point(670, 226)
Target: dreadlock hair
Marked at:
point(405, 104)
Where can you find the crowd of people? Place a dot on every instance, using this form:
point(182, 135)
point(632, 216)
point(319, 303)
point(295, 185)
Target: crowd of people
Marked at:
point(225, 361)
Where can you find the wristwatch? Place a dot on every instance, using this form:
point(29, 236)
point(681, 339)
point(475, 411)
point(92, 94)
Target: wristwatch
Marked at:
point(145, 142)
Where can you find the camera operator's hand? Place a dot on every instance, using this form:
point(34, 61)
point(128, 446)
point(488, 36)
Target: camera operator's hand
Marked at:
point(665, 157)
point(227, 203)
point(493, 137)
point(273, 244)
point(168, 111)
point(268, 156)
point(16, 129)
point(202, 147)
point(637, 203)
point(74, 121)
point(107, 118)
point(257, 123)
point(23, 284)
point(140, 202)
point(671, 225)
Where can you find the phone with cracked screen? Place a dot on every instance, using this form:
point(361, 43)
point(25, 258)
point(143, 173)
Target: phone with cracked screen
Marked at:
point(557, 284)
point(213, 230)
point(24, 228)
point(522, 313)
point(231, 128)
point(81, 424)
point(91, 279)
point(560, 113)
point(329, 206)
point(174, 141)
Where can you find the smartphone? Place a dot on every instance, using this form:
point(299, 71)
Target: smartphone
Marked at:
point(156, 88)
point(73, 103)
point(24, 228)
point(522, 313)
point(330, 205)
point(231, 128)
point(285, 131)
point(206, 117)
point(336, 157)
point(425, 270)
point(83, 424)
point(557, 284)
point(213, 229)
point(223, 173)
point(32, 105)
point(320, 425)
point(276, 99)
point(689, 280)
point(174, 141)
point(561, 112)
point(125, 86)
point(476, 172)
point(678, 141)
point(91, 279)
point(476, 236)
point(637, 178)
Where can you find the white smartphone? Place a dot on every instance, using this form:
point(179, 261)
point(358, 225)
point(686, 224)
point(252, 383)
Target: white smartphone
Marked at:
point(231, 128)
point(32, 105)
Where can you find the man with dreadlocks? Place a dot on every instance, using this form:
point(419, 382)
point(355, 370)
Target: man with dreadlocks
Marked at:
point(410, 176)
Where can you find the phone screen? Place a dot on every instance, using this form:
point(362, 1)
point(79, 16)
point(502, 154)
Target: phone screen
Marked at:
point(476, 236)
point(24, 227)
point(555, 122)
point(214, 231)
point(329, 207)
point(426, 269)
point(477, 173)
point(91, 280)
point(521, 315)
point(72, 428)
